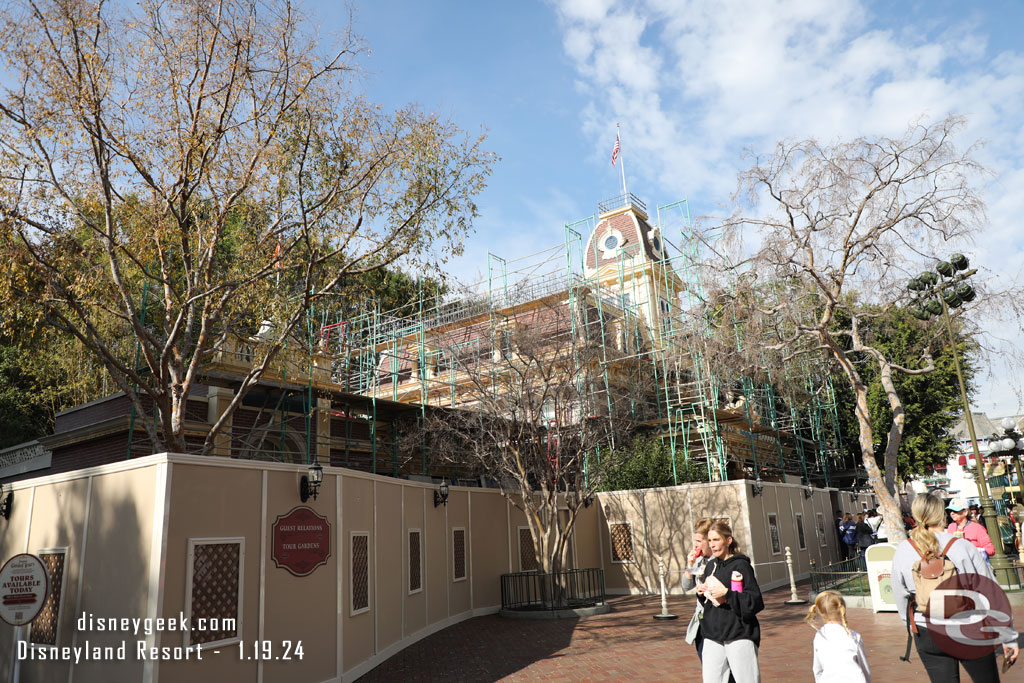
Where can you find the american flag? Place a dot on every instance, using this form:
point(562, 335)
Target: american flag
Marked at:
point(615, 150)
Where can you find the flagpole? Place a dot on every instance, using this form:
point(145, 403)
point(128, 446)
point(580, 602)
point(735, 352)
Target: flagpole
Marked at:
point(622, 165)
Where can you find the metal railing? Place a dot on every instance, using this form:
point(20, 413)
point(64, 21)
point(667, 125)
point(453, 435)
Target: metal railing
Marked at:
point(561, 590)
point(846, 576)
point(621, 200)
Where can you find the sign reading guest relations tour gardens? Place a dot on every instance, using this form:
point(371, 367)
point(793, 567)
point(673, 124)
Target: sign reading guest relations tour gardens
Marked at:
point(24, 585)
point(302, 541)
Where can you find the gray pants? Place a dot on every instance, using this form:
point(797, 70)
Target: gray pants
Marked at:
point(738, 657)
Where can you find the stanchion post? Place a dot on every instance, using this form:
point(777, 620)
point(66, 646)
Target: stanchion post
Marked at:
point(664, 596)
point(793, 599)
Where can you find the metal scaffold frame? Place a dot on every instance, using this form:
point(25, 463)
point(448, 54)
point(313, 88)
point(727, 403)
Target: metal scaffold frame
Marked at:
point(640, 311)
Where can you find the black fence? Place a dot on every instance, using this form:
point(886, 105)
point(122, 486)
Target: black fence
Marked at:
point(846, 576)
point(562, 590)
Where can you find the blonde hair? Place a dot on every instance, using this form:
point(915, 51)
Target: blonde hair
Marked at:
point(722, 528)
point(928, 510)
point(831, 606)
point(702, 526)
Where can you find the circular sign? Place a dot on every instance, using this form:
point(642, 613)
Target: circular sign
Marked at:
point(24, 585)
point(968, 615)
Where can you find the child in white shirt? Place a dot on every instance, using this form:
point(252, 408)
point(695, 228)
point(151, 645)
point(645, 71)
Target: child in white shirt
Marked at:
point(838, 652)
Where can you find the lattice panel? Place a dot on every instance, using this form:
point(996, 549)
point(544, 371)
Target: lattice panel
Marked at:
point(360, 573)
point(527, 554)
point(44, 628)
point(215, 584)
point(622, 542)
point(459, 553)
point(414, 561)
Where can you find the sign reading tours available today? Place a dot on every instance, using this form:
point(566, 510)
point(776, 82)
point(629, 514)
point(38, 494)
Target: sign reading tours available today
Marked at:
point(24, 585)
point(302, 541)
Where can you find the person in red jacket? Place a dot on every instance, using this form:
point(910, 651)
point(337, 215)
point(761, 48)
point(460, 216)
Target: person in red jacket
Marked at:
point(962, 527)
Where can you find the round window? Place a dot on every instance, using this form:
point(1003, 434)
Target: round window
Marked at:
point(656, 243)
point(611, 241)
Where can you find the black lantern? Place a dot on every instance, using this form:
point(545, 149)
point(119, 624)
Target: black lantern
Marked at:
point(441, 494)
point(309, 485)
point(5, 505)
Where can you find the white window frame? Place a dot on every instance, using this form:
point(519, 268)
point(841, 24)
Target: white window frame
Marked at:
point(519, 542)
point(611, 544)
point(62, 550)
point(768, 528)
point(419, 533)
point(351, 575)
point(190, 568)
point(465, 554)
point(801, 530)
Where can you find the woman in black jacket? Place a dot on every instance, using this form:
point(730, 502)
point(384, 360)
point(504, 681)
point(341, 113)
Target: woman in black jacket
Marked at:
point(731, 598)
point(865, 539)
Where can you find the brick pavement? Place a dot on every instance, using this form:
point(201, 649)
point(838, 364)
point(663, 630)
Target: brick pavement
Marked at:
point(629, 645)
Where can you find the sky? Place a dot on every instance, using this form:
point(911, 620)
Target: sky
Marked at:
point(693, 85)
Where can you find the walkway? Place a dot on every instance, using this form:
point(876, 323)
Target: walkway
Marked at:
point(629, 645)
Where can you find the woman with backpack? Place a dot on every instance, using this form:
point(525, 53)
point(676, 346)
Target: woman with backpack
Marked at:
point(920, 564)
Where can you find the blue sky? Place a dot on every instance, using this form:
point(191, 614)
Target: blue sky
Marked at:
point(693, 84)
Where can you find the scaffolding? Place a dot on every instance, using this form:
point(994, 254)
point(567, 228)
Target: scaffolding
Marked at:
point(639, 301)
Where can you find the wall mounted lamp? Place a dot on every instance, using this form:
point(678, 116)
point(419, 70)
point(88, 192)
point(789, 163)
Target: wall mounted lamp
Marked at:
point(441, 495)
point(309, 485)
point(5, 505)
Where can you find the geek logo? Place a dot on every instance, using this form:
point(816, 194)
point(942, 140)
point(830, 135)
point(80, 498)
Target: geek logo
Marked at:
point(968, 615)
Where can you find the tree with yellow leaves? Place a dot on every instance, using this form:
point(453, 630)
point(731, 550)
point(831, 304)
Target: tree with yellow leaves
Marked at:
point(178, 174)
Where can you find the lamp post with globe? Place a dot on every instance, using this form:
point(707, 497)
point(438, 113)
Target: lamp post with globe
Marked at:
point(936, 292)
point(1010, 444)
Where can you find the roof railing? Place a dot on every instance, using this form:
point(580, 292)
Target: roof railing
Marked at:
point(619, 201)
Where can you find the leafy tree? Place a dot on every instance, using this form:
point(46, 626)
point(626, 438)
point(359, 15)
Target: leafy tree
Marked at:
point(212, 160)
point(648, 464)
point(931, 401)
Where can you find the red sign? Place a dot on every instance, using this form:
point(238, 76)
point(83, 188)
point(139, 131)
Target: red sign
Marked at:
point(24, 585)
point(302, 541)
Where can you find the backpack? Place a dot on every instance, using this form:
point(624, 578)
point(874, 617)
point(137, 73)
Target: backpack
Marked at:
point(849, 533)
point(928, 574)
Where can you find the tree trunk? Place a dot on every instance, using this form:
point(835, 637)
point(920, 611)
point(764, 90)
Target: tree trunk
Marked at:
point(891, 516)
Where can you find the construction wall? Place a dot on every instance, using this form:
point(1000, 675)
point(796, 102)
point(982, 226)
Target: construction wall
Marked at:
point(128, 530)
point(131, 533)
point(660, 527)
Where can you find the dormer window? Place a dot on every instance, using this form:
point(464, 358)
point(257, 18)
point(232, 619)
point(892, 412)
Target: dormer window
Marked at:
point(611, 242)
point(656, 243)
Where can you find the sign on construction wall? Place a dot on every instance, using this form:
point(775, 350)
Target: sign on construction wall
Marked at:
point(302, 541)
point(24, 585)
point(879, 559)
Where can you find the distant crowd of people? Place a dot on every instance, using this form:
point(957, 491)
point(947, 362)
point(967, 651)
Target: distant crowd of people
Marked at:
point(727, 634)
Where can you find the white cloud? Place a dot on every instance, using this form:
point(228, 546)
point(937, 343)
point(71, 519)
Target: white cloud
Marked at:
point(693, 83)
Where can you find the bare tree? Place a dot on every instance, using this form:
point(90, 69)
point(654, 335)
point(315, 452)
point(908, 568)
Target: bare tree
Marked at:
point(541, 415)
point(179, 174)
point(843, 228)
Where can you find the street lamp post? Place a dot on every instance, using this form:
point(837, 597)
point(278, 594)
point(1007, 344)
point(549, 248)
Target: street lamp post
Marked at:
point(937, 292)
point(1010, 443)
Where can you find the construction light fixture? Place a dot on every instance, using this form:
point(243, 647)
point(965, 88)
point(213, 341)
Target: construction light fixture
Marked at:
point(6, 504)
point(758, 487)
point(309, 485)
point(441, 494)
point(809, 491)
